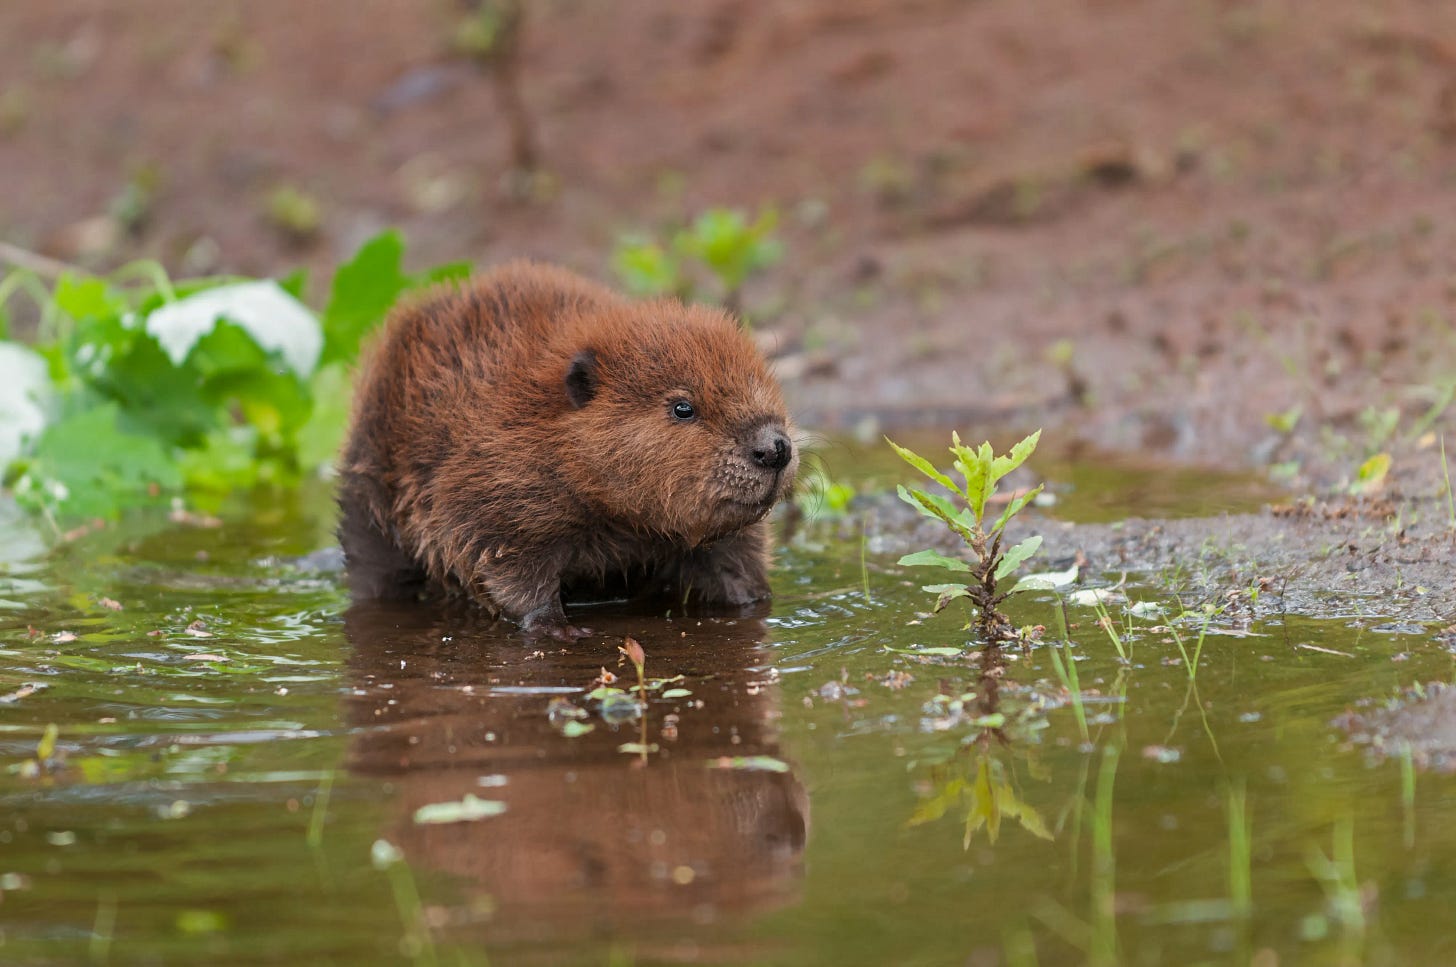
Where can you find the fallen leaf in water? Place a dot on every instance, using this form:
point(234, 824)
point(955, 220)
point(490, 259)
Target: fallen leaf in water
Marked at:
point(465, 810)
point(749, 763)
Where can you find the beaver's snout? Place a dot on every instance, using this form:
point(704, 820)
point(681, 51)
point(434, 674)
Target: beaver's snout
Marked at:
point(771, 448)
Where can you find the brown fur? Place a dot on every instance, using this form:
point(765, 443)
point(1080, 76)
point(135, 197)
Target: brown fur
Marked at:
point(517, 434)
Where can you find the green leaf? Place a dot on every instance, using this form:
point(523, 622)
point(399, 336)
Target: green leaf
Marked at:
point(1014, 507)
point(929, 558)
point(239, 376)
point(1001, 466)
point(946, 594)
point(923, 465)
point(156, 397)
point(975, 467)
point(933, 506)
point(321, 435)
point(573, 729)
point(647, 269)
point(448, 272)
point(84, 298)
point(1371, 473)
point(677, 693)
point(226, 461)
point(1013, 558)
point(86, 465)
point(363, 291)
point(729, 246)
point(620, 707)
point(295, 283)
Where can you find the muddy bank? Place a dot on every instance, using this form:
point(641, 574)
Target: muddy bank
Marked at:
point(1375, 561)
point(1214, 232)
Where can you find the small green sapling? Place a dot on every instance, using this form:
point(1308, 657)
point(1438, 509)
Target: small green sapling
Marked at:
point(980, 468)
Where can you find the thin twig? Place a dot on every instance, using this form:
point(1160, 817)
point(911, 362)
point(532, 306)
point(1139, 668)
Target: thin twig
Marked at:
point(17, 257)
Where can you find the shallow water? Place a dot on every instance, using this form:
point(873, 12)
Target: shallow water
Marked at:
point(822, 795)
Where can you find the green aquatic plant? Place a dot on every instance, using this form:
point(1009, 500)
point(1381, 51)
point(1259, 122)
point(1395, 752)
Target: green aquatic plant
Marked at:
point(981, 469)
point(1066, 668)
point(137, 388)
point(1190, 660)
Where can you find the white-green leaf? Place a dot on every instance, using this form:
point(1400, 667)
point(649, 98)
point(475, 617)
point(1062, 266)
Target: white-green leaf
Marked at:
point(938, 652)
point(928, 558)
point(749, 763)
point(923, 465)
point(1013, 558)
point(276, 320)
point(1087, 597)
point(465, 810)
point(677, 693)
point(26, 398)
point(384, 854)
point(1047, 580)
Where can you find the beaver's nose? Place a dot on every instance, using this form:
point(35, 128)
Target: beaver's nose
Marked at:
point(771, 448)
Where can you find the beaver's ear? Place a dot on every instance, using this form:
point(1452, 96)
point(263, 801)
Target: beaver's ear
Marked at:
point(581, 378)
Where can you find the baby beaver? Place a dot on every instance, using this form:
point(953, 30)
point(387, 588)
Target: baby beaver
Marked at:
point(532, 430)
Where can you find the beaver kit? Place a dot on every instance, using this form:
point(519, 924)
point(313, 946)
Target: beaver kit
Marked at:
point(532, 431)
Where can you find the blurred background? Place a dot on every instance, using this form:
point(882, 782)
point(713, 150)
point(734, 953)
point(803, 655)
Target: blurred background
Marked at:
point(1161, 222)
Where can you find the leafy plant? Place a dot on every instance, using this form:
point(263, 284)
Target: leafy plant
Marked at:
point(720, 241)
point(981, 469)
point(133, 392)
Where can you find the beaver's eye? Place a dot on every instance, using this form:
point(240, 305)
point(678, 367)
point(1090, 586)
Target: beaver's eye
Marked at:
point(683, 410)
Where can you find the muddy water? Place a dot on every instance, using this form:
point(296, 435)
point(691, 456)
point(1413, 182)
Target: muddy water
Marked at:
point(242, 759)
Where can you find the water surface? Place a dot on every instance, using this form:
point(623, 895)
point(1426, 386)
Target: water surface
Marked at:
point(242, 759)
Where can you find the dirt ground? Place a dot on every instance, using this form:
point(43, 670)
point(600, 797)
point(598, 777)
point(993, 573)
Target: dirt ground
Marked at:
point(1217, 231)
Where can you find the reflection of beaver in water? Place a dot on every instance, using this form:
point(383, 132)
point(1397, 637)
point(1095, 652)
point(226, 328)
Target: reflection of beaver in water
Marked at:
point(533, 430)
point(593, 843)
